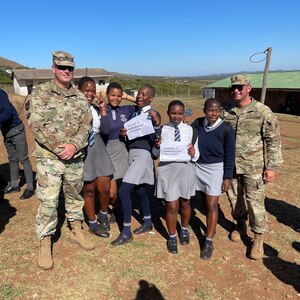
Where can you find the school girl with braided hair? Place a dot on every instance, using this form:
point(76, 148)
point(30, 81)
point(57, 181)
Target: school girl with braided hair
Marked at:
point(117, 115)
point(214, 168)
point(175, 176)
point(98, 168)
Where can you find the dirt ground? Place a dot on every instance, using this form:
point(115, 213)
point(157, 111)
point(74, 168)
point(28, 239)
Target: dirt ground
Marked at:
point(144, 269)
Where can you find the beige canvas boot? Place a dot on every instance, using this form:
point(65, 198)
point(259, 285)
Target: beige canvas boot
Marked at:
point(239, 232)
point(257, 250)
point(45, 260)
point(77, 236)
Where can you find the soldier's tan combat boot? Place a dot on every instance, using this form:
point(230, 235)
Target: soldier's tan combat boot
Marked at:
point(45, 260)
point(239, 232)
point(77, 236)
point(257, 250)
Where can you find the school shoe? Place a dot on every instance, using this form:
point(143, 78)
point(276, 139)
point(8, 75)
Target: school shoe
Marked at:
point(9, 189)
point(77, 236)
point(45, 260)
point(172, 246)
point(207, 251)
point(239, 232)
point(257, 250)
point(142, 229)
point(112, 218)
point(122, 239)
point(99, 231)
point(104, 223)
point(184, 237)
point(27, 194)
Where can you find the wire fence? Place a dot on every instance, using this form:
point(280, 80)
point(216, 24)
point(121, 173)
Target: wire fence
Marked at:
point(179, 93)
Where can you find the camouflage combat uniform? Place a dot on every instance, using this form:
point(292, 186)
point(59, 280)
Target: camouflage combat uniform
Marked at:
point(256, 128)
point(57, 116)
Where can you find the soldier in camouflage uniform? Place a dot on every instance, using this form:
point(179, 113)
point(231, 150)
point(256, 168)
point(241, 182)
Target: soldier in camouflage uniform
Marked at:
point(59, 118)
point(258, 154)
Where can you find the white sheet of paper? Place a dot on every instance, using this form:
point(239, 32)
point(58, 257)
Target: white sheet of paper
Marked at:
point(174, 151)
point(139, 126)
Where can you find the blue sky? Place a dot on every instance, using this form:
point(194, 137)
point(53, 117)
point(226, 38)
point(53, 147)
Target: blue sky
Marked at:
point(167, 38)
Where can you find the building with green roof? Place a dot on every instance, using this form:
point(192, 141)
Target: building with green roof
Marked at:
point(283, 90)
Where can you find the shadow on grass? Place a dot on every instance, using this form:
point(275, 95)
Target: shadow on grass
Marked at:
point(285, 271)
point(4, 175)
point(284, 212)
point(157, 208)
point(148, 291)
point(6, 212)
point(199, 227)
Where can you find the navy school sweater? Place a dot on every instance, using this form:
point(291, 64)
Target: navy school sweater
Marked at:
point(216, 146)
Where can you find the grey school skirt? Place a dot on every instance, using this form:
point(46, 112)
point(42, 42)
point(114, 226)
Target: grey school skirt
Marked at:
point(209, 178)
point(119, 157)
point(97, 161)
point(175, 180)
point(141, 167)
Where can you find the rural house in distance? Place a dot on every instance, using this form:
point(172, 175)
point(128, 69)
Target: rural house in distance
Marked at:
point(282, 96)
point(25, 80)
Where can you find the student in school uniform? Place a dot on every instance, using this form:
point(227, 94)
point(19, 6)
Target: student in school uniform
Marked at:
point(98, 168)
point(176, 176)
point(141, 168)
point(117, 115)
point(214, 168)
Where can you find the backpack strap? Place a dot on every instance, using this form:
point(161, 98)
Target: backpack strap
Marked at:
point(196, 125)
point(195, 135)
point(226, 130)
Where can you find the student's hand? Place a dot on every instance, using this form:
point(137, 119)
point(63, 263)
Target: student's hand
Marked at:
point(191, 150)
point(225, 185)
point(68, 151)
point(102, 106)
point(101, 95)
point(269, 175)
point(155, 117)
point(128, 97)
point(123, 132)
point(157, 142)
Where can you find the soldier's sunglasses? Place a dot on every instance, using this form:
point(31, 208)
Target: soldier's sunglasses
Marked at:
point(238, 87)
point(63, 68)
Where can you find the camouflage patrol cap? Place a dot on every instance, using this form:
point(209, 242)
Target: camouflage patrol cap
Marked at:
point(240, 79)
point(61, 58)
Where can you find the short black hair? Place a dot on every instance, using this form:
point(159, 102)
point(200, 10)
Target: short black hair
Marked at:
point(114, 85)
point(208, 102)
point(150, 87)
point(175, 102)
point(83, 80)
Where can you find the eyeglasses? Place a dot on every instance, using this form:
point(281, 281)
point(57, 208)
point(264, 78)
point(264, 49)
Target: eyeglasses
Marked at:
point(63, 68)
point(238, 87)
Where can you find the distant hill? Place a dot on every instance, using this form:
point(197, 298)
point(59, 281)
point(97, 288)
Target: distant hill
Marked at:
point(9, 64)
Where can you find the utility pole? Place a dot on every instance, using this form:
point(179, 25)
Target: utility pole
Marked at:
point(266, 71)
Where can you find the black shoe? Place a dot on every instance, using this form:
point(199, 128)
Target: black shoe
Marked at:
point(207, 251)
point(122, 239)
point(112, 218)
point(99, 231)
point(105, 223)
point(172, 246)
point(27, 194)
point(184, 237)
point(9, 189)
point(142, 229)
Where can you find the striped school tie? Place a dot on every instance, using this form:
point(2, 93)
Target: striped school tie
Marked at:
point(177, 134)
point(91, 137)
